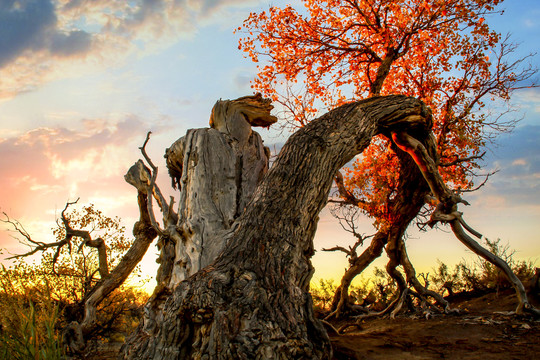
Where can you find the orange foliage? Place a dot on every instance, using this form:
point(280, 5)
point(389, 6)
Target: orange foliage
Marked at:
point(343, 50)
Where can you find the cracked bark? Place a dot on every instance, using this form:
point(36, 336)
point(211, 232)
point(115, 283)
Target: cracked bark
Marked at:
point(253, 301)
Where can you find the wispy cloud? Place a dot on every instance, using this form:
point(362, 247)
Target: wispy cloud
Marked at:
point(529, 99)
point(518, 181)
point(44, 39)
point(46, 166)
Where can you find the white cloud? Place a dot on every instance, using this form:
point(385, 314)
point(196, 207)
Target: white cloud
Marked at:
point(54, 39)
point(519, 162)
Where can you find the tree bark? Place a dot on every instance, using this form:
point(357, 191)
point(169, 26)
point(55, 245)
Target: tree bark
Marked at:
point(216, 171)
point(253, 301)
point(409, 199)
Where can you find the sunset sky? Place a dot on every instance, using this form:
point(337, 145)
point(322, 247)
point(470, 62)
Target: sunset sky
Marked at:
point(81, 82)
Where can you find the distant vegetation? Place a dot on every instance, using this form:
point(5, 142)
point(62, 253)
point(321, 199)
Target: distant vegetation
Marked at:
point(471, 278)
point(38, 300)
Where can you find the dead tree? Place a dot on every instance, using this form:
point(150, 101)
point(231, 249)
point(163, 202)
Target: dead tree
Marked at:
point(216, 171)
point(253, 301)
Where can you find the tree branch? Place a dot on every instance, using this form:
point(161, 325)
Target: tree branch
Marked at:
point(462, 160)
point(166, 209)
point(37, 246)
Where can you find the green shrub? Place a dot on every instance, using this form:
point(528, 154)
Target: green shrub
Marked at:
point(481, 275)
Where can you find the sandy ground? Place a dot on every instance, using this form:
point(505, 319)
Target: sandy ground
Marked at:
point(484, 330)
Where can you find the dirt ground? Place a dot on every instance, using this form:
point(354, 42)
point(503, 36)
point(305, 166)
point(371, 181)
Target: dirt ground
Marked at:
point(483, 330)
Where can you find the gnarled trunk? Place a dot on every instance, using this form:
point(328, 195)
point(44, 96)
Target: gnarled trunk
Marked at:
point(254, 301)
point(216, 171)
point(409, 199)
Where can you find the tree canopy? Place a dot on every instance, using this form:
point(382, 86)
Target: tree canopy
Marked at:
point(442, 52)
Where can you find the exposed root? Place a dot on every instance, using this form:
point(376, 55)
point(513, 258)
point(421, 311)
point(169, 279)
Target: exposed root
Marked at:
point(330, 329)
point(363, 317)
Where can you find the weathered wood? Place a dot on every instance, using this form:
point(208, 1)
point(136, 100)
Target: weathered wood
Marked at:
point(253, 301)
point(217, 171)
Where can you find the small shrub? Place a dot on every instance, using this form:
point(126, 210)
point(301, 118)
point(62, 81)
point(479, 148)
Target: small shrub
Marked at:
point(322, 294)
point(28, 320)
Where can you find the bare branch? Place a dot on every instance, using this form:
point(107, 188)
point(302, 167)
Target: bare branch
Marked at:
point(35, 245)
point(38, 246)
point(462, 160)
point(524, 305)
point(152, 188)
point(338, 248)
point(446, 212)
point(344, 193)
point(481, 184)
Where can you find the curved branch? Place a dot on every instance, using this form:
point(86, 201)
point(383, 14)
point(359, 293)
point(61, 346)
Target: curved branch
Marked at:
point(475, 247)
point(446, 211)
point(462, 160)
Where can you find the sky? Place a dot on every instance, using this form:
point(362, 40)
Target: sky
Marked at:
point(81, 83)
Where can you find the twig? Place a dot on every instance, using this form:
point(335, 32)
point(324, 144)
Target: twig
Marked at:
point(461, 160)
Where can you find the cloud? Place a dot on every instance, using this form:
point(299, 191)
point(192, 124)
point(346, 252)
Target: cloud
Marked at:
point(30, 26)
point(72, 43)
point(517, 182)
point(41, 40)
point(529, 99)
point(47, 166)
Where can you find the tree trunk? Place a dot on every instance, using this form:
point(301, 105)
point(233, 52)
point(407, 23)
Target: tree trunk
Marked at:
point(409, 199)
point(216, 170)
point(253, 301)
point(218, 179)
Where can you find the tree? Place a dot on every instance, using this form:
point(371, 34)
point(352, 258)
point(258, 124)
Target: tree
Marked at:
point(71, 269)
point(438, 51)
point(253, 300)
